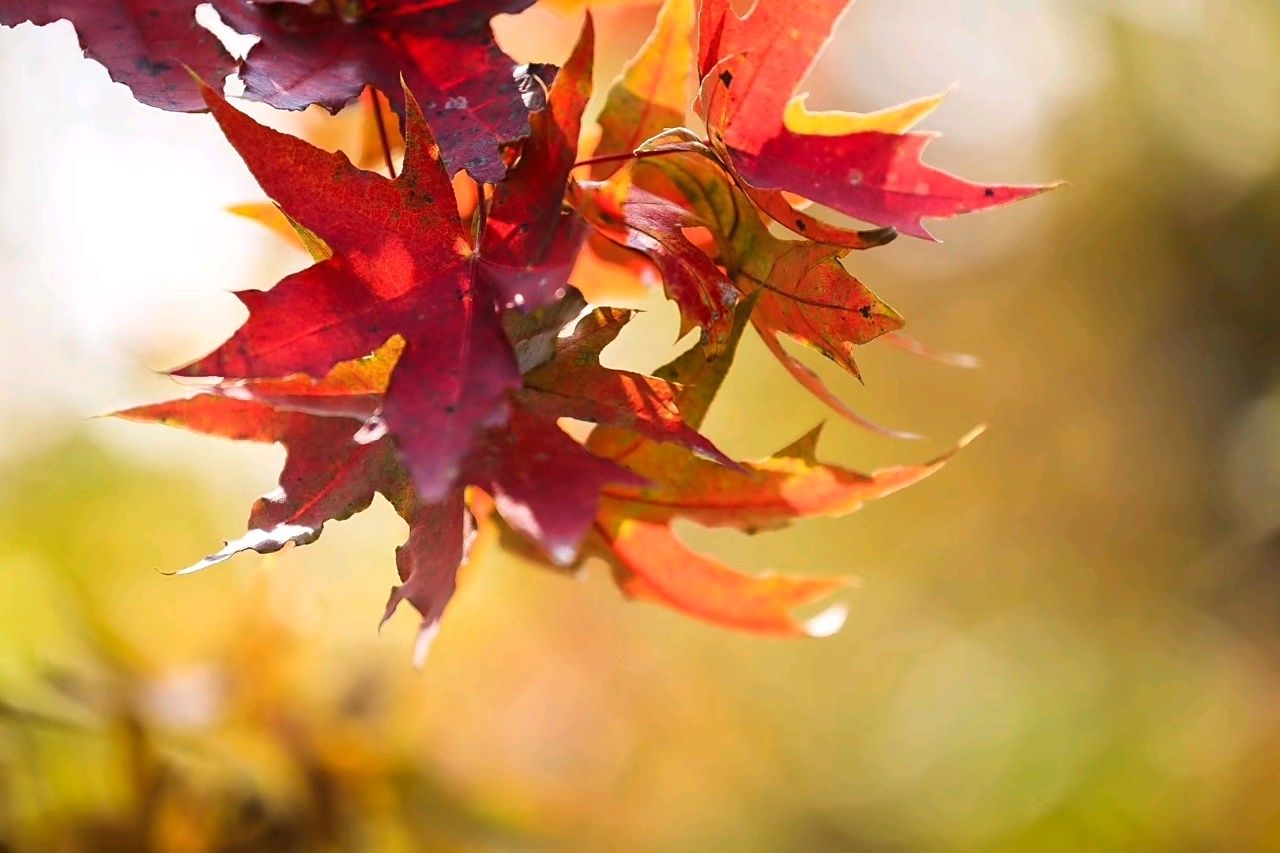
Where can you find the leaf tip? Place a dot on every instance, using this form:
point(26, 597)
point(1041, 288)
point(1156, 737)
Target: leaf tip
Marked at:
point(562, 555)
point(968, 437)
point(828, 622)
point(422, 646)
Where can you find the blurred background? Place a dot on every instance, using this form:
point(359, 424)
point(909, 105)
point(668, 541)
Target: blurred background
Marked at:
point(1069, 638)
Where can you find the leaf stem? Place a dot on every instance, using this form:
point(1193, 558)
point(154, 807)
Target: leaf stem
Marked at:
point(382, 130)
point(629, 155)
point(481, 217)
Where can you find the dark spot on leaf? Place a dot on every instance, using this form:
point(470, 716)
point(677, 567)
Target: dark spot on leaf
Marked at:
point(865, 311)
point(801, 225)
point(989, 192)
point(155, 69)
point(726, 78)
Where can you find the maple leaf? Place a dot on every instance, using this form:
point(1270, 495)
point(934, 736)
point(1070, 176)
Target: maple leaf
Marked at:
point(806, 294)
point(633, 528)
point(401, 264)
point(530, 240)
point(863, 166)
point(326, 53)
point(654, 226)
point(142, 44)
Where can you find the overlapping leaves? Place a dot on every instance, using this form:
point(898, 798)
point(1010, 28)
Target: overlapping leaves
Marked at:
point(431, 356)
point(322, 52)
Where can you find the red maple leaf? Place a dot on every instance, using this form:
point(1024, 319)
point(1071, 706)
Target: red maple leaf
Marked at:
point(401, 265)
point(326, 53)
point(750, 68)
point(142, 43)
point(531, 239)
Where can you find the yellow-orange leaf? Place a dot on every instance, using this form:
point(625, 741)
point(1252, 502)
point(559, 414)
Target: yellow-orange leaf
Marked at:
point(650, 564)
point(652, 92)
point(763, 494)
point(897, 119)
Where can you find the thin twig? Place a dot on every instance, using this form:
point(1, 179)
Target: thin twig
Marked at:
point(480, 212)
point(382, 130)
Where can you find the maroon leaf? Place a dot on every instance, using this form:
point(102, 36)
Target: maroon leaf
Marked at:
point(326, 53)
point(440, 537)
point(401, 265)
point(531, 239)
point(143, 44)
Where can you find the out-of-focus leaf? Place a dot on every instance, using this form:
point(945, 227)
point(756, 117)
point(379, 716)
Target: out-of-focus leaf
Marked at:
point(652, 92)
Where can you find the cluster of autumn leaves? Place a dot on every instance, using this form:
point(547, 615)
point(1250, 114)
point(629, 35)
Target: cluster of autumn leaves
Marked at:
point(430, 351)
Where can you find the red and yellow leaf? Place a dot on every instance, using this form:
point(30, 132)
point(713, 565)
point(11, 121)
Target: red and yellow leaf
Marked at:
point(866, 167)
point(651, 94)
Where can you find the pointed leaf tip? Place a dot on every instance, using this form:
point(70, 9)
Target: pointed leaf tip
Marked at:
point(828, 622)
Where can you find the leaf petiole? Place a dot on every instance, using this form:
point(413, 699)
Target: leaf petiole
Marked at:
point(629, 155)
point(376, 107)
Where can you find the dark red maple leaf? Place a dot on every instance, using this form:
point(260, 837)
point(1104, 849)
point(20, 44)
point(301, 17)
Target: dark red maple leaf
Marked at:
point(142, 43)
point(531, 239)
point(326, 53)
point(401, 265)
